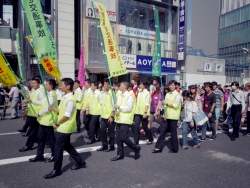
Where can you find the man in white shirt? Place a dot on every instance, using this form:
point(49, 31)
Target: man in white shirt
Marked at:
point(14, 95)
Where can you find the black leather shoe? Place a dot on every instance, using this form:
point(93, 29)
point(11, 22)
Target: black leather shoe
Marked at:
point(49, 160)
point(36, 159)
point(98, 140)
point(79, 165)
point(156, 151)
point(109, 149)
point(233, 138)
point(52, 174)
point(47, 146)
point(102, 148)
point(24, 149)
point(137, 153)
point(172, 151)
point(22, 131)
point(118, 157)
point(90, 142)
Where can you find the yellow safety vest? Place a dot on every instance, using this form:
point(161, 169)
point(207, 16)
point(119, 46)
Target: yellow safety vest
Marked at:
point(46, 119)
point(34, 96)
point(79, 105)
point(172, 113)
point(140, 106)
point(94, 104)
point(86, 97)
point(124, 117)
point(68, 126)
point(106, 106)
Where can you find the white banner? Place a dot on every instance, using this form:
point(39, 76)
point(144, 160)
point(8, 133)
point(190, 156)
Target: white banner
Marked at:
point(129, 60)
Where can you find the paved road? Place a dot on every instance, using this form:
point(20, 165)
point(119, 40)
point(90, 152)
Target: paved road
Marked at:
point(220, 163)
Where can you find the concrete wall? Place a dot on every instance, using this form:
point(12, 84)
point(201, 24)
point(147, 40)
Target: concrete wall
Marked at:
point(66, 44)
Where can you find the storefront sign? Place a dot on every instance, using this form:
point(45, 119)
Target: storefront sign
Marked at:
point(181, 42)
point(145, 62)
point(133, 32)
point(129, 60)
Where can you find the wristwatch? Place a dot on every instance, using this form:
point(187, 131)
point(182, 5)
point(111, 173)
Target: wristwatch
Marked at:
point(145, 112)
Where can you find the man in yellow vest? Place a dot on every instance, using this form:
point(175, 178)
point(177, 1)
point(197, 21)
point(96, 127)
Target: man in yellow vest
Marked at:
point(46, 131)
point(86, 97)
point(36, 100)
point(124, 119)
point(65, 126)
point(142, 113)
point(78, 97)
point(107, 120)
point(94, 109)
point(172, 111)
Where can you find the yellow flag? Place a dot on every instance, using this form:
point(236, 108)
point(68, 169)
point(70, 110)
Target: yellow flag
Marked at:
point(49, 64)
point(7, 77)
point(116, 65)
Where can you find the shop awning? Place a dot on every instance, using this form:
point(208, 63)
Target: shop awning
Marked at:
point(162, 73)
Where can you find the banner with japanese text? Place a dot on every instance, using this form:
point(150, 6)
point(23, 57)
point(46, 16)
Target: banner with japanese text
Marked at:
point(45, 44)
point(156, 60)
point(115, 62)
point(81, 72)
point(20, 65)
point(7, 77)
point(48, 64)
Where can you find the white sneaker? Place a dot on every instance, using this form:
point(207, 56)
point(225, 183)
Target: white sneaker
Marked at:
point(189, 135)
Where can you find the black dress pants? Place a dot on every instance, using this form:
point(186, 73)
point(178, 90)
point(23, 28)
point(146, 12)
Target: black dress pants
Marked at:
point(94, 127)
point(122, 131)
point(236, 116)
point(32, 132)
point(45, 134)
point(111, 131)
point(138, 119)
point(63, 143)
point(174, 138)
point(248, 122)
point(27, 123)
point(2, 99)
point(78, 120)
point(86, 121)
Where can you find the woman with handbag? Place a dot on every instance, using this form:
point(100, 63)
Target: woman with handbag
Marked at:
point(190, 109)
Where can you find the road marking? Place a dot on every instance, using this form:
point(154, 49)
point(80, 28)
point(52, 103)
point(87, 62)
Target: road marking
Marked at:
point(2, 134)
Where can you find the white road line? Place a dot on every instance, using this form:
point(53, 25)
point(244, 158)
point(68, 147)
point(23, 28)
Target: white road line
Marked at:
point(80, 150)
point(2, 134)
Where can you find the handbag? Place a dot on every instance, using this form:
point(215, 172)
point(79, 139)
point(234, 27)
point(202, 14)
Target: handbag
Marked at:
point(200, 117)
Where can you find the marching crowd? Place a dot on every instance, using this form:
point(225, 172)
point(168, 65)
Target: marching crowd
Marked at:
point(110, 112)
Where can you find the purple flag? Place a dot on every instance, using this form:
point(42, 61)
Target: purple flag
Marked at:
point(81, 72)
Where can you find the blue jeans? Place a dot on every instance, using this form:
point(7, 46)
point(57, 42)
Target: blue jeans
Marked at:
point(204, 127)
point(185, 127)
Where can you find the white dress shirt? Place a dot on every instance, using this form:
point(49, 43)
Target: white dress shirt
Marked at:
point(240, 96)
point(177, 99)
point(51, 102)
point(80, 94)
point(70, 106)
point(59, 94)
point(129, 106)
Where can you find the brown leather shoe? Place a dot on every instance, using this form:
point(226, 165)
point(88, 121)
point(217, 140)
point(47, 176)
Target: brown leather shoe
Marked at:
point(196, 146)
point(183, 148)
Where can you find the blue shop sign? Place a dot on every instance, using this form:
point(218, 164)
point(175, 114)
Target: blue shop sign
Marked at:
point(145, 62)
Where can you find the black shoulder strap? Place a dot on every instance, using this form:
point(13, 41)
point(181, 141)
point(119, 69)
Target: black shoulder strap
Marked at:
point(236, 98)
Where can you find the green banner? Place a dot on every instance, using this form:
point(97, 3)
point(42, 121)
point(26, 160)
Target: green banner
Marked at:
point(156, 60)
point(19, 56)
point(45, 44)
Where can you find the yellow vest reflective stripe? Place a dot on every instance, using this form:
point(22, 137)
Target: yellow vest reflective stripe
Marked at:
point(79, 105)
point(94, 104)
point(86, 97)
point(46, 119)
point(68, 126)
point(106, 106)
point(172, 113)
point(34, 96)
point(124, 117)
point(141, 103)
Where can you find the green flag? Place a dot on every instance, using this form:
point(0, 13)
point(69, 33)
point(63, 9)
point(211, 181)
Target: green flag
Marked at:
point(19, 56)
point(156, 60)
point(45, 44)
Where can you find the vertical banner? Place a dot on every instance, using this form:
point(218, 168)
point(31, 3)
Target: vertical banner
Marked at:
point(156, 60)
point(20, 65)
point(115, 62)
point(45, 44)
point(181, 41)
point(81, 72)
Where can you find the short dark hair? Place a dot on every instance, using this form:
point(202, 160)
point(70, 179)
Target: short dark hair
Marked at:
point(125, 84)
point(77, 81)
point(172, 82)
point(208, 84)
point(156, 79)
point(106, 81)
point(214, 83)
point(89, 81)
point(130, 85)
point(68, 82)
point(117, 84)
point(186, 93)
point(95, 84)
point(235, 83)
point(145, 83)
point(36, 79)
point(178, 84)
point(52, 83)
